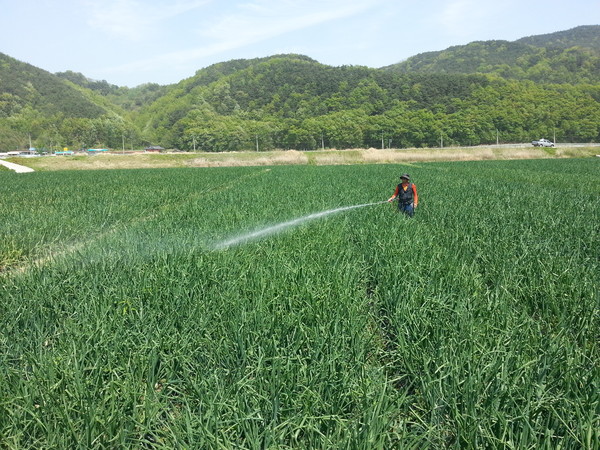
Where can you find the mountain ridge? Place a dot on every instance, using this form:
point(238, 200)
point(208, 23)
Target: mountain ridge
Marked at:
point(293, 101)
point(570, 56)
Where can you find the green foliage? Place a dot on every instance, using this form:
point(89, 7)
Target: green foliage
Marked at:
point(356, 106)
point(43, 91)
point(102, 87)
point(569, 57)
point(465, 95)
point(474, 324)
point(583, 36)
point(54, 113)
point(127, 98)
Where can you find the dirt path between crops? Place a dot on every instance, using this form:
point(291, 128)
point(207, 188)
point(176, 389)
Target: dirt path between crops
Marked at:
point(16, 167)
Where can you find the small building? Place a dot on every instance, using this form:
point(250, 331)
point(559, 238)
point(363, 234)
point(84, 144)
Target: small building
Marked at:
point(154, 149)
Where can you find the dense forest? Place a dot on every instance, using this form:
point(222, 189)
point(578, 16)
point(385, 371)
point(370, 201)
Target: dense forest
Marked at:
point(571, 57)
point(480, 93)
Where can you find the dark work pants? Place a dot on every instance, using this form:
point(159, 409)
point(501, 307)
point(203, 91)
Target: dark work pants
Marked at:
point(407, 209)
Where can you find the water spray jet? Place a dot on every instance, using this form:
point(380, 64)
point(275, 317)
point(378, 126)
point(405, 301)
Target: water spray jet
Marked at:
point(273, 229)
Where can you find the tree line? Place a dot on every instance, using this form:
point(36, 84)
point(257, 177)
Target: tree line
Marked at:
point(293, 102)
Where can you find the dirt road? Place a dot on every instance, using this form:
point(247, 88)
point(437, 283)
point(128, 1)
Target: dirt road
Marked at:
point(16, 167)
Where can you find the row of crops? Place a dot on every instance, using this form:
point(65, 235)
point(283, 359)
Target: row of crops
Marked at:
point(474, 324)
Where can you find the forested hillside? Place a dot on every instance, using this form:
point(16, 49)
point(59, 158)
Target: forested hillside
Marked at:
point(293, 102)
point(25, 86)
point(587, 36)
point(567, 57)
point(129, 99)
point(53, 112)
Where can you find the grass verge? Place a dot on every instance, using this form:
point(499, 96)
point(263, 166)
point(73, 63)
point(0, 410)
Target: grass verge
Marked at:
point(294, 157)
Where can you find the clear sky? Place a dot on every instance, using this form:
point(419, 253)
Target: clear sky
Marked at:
point(131, 42)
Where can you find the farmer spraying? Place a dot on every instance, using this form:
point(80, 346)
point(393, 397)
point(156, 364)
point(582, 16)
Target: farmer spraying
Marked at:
point(406, 193)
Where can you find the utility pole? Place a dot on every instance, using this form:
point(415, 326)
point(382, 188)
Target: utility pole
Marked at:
point(123, 138)
point(441, 140)
point(497, 137)
point(382, 143)
point(257, 142)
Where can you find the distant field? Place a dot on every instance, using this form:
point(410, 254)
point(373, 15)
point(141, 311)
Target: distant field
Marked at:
point(475, 324)
point(292, 157)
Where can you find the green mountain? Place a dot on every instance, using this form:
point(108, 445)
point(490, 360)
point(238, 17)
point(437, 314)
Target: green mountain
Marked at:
point(293, 102)
point(475, 94)
point(54, 112)
point(586, 36)
point(23, 85)
point(127, 98)
point(571, 56)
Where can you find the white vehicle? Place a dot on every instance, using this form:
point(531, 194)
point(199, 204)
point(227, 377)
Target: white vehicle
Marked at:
point(542, 143)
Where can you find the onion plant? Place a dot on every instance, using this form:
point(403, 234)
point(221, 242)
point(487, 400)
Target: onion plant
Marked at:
point(473, 324)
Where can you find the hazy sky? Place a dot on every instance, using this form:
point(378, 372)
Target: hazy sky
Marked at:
point(131, 42)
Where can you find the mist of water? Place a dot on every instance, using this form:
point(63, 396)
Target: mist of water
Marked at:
point(273, 229)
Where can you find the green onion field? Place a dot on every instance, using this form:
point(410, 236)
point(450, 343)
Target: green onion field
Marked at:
point(476, 324)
